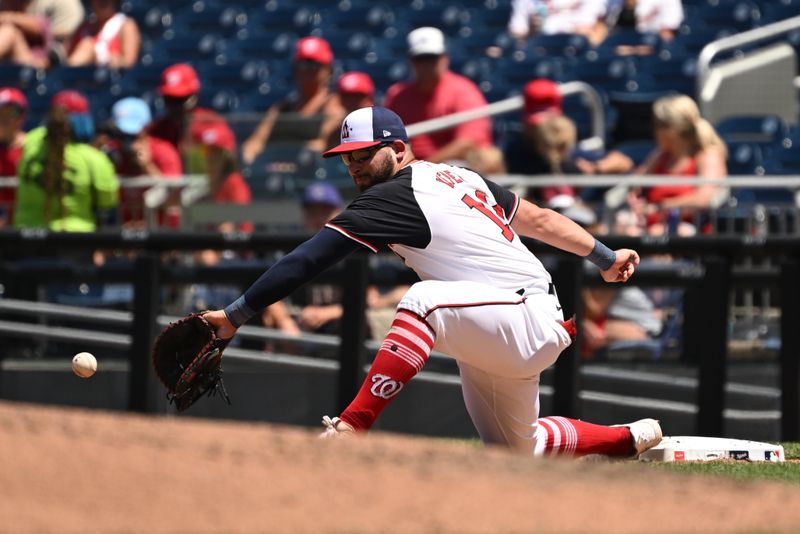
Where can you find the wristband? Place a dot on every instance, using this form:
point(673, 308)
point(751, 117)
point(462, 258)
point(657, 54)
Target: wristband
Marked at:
point(602, 256)
point(239, 312)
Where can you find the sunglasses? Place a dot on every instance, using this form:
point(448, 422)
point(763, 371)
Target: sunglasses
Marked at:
point(363, 155)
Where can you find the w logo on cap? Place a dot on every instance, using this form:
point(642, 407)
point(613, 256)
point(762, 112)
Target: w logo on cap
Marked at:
point(345, 131)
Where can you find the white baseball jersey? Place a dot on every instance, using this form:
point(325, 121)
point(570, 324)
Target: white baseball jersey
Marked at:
point(453, 228)
point(447, 223)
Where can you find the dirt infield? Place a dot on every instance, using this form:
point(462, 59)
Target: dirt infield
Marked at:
point(76, 471)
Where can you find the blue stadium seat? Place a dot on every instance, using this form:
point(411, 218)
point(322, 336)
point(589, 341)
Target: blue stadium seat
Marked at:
point(152, 21)
point(760, 129)
point(735, 15)
point(636, 150)
point(354, 18)
point(203, 18)
point(19, 76)
point(558, 44)
point(191, 47)
point(744, 158)
point(84, 79)
point(777, 10)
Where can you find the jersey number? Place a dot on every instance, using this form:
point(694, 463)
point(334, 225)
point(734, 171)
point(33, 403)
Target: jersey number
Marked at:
point(497, 216)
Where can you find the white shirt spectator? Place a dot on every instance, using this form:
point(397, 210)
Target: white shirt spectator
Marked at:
point(64, 15)
point(658, 15)
point(554, 16)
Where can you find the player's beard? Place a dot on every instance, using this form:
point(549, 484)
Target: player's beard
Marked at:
point(384, 172)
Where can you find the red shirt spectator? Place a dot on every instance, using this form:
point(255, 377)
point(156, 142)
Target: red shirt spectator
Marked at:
point(436, 92)
point(135, 153)
point(180, 87)
point(13, 110)
point(226, 184)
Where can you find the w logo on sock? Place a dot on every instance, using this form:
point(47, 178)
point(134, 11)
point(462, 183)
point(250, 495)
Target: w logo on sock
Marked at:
point(384, 386)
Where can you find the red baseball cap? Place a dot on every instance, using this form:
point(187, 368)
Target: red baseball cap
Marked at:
point(215, 134)
point(13, 96)
point(542, 100)
point(72, 101)
point(179, 80)
point(314, 49)
point(355, 82)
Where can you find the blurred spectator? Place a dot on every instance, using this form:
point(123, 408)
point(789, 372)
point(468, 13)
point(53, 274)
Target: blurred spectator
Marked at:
point(647, 16)
point(313, 68)
point(180, 87)
point(546, 142)
point(32, 32)
point(355, 90)
point(314, 307)
point(611, 314)
point(686, 145)
point(13, 111)
point(436, 91)
point(136, 153)
point(585, 17)
point(317, 307)
point(226, 184)
point(107, 38)
point(65, 184)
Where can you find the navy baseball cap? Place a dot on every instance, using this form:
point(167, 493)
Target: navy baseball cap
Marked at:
point(368, 127)
point(322, 193)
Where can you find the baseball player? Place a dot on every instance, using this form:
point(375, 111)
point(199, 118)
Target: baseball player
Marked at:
point(483, 299)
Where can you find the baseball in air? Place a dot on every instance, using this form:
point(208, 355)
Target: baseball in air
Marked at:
point(84, 364)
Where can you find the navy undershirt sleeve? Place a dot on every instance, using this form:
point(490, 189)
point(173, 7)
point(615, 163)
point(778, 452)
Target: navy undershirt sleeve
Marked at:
point(290, 272)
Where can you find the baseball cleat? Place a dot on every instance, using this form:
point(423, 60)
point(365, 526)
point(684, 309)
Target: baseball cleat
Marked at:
point(646, 434)
point(334, 428)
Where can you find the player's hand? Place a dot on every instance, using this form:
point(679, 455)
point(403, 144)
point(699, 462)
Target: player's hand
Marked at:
point(221, 324)
point(623, 267)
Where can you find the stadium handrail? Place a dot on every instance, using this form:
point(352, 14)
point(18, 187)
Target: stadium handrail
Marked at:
point(712, 49)
point(595, 142)
point(579, 180)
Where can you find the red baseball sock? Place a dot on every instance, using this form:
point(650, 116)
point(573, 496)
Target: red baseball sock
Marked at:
point(578, 438)
point(403, 353)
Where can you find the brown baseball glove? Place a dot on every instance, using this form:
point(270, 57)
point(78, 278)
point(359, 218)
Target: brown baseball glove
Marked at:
point(187, 357)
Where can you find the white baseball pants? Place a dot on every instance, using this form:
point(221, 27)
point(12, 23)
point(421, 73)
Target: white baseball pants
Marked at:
point(502, 342)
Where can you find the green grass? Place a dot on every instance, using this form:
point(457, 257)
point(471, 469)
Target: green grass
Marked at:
point(785, 472)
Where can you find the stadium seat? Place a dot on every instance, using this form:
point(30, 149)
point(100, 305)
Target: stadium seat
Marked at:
point(187, 47)
point(220, 19)
point(636, 150)
point(558, 44)
point(761, 129)
point(744, 158)
point(735, 15)
point(19, 76)
point(777, 10)
point(82, 78)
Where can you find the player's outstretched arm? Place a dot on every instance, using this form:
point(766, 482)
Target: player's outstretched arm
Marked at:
point(561, 232)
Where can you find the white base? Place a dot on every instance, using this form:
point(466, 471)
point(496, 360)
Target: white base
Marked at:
point(702, 449)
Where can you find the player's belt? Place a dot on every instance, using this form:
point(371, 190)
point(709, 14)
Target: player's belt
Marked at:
point(551, 289)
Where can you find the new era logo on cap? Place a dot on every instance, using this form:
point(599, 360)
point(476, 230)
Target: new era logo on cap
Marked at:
point(368, 127)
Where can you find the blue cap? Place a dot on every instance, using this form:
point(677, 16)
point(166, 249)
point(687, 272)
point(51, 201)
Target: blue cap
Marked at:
point(367, 127)
point(131, 115)
point(322, 193)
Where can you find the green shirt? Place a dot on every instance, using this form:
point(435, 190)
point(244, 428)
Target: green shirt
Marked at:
point(90, 183)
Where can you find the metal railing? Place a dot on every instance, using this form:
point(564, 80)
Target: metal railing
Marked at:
point(707, 283)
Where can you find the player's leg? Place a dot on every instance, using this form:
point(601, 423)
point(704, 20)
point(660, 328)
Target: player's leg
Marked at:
point(503, 410)
point(561, 435)
point(403, 353)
